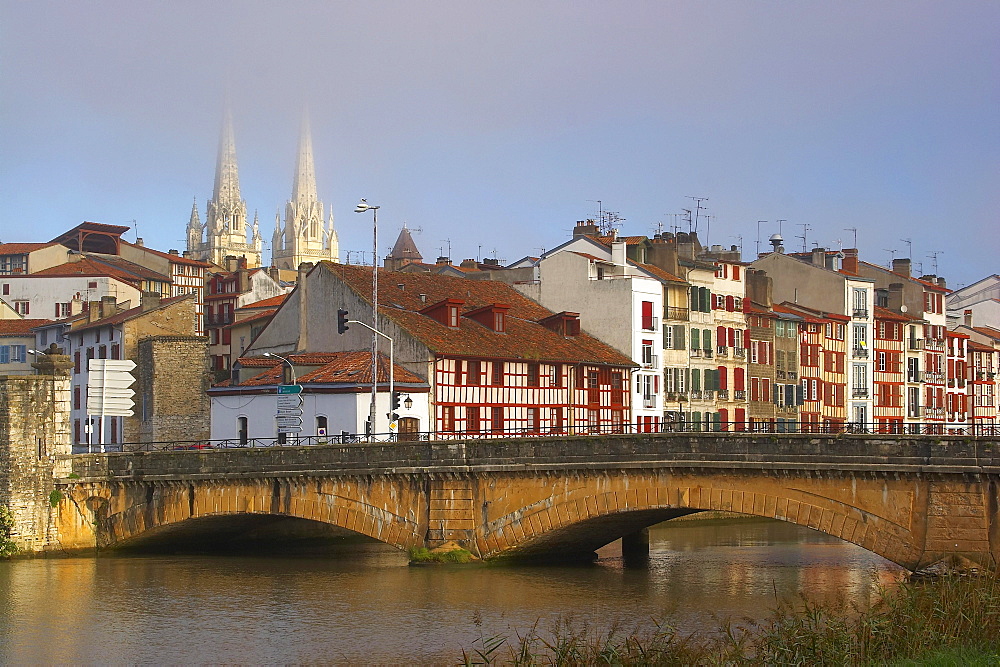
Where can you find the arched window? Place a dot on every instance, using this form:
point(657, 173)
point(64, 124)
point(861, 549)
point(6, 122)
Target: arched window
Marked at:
point(242, 430)
point(321, 425)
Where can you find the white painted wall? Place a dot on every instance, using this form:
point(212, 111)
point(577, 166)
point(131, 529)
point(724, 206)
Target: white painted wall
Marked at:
point(44, 292)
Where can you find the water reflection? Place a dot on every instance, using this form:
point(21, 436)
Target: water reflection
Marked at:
point(363, 604)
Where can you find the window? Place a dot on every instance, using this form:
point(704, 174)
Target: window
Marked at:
point(496, 419)
point(555, 420)
point(533, 422)
point(453, 316)
point(499, 321)
point(555, 375)
point(648, 323)
point(22, 307)
point(472, 419)
point(647, 353)
point(6, 289)
point(474, 372)
point(448, 418)
point(860, 300)
point(533, 374)
point(497, 379)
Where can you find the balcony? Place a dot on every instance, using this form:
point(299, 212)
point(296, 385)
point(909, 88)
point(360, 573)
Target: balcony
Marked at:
point(915, 376)
point(860, 353)
point(740, 394)
point(650, 323)
point(722, 394)
point(696, 354)
point(781, 375)
point(707, 354)
point(934, 412)
point(650, 361)
point(671, 313)
point(722, 351)
point(937, 378)
point(913, 411)
point(860, 314)
point(915, 344)
point(649, 402)
point(220, 320)
point(708, 395)
point(934, 344)
point(740, 352)
point(696, 395)
point(793, 375)
point(859, 392)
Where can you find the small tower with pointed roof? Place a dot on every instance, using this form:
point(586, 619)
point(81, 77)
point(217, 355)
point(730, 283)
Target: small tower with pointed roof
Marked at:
point(403, 252)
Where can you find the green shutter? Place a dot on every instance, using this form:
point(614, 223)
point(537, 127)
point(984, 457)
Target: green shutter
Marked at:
point(694, 298)
point(679, 337)
point(695, 421)
point(706, 339)
point(695, 333)
point(695, 379)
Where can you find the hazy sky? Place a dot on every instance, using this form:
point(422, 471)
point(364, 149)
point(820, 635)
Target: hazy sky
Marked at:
point(494, 124)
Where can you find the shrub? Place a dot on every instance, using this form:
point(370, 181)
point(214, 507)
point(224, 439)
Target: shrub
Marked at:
point(7, 546)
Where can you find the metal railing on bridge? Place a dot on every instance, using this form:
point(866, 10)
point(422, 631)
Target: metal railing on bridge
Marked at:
point(579, 430)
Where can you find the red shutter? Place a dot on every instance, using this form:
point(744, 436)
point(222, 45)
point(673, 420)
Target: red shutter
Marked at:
point(723, 381)
point(746, 338)
point(730, 303)
point(720, 336)
point(739, 382)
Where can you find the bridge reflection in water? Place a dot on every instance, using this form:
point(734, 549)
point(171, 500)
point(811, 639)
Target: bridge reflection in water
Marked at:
point(911, 499)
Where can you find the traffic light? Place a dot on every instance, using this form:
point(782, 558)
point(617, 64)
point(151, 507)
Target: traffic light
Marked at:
point(394, 408)
point(342, 321)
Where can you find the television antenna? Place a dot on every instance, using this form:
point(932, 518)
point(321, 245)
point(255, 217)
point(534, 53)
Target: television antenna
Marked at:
point(739, 238)
point(853, 230)
point(934, 259)
point(759, 223)
point(805, 233)
point(697, 212)
point(892, 255)
point(448, 241)
point(909, 246)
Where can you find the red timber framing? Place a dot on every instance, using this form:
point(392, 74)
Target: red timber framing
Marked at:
point(889, 370)
point(494, 397)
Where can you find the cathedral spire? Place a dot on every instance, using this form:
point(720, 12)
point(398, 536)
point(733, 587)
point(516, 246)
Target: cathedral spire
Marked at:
point(304, 185)
point(227, 178)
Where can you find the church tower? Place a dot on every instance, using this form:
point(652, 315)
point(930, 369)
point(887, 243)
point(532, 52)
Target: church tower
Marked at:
point(305, 237)
point(225, 230)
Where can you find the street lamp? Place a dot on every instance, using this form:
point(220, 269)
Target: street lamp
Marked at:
point(362, 207)
point(290, 366)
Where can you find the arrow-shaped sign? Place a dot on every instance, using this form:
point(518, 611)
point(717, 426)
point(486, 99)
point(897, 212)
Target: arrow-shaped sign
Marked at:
point(111, 392)
point(289, 412)
point(111, 381)
point(289, 421)
point(110, 365)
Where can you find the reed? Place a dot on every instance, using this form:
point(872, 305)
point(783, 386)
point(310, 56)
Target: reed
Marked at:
point(944, 620)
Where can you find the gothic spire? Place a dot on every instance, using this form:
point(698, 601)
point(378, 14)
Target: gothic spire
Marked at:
point(227, 179)
point(304, 185)
point(195, 221)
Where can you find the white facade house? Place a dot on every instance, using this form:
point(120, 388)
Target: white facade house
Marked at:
point(619, 304)
point(334, 405)
point(53, 296)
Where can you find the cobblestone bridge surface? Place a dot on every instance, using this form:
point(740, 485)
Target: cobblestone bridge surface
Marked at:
point(911, 499)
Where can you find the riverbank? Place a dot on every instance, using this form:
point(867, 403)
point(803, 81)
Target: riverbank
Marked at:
point(938, 620)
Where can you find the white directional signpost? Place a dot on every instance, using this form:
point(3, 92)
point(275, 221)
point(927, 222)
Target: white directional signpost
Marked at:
point(289, 415)
point(108, 393)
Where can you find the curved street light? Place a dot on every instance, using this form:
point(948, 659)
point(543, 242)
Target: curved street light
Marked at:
point(290, 366)
point(362, 207)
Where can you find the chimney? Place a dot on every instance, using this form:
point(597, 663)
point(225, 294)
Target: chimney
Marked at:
point(895, 297)
point(968, 317)
point(139, 242)
point(901, 266)
point(231, 263)
point(850, 263)
point(186, 254)
point(73, 256)
point(941, 282)
point(93, 311)
point(585, 228)
point(618, 253)
point(150, 300)
point(109, 306)
point(302, 287)
point(819, 256)
point(663, 254)
point(174, 252)
point(759, 287)
point(443, 261)
point(468, 264)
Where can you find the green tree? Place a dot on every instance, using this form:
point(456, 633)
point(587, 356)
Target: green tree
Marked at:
point(7, 546)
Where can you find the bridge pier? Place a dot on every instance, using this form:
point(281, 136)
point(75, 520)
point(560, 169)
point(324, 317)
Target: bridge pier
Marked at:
point(635, 548)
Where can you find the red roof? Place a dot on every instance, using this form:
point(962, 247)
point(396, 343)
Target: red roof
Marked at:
point(659, 273)
point(989, 332)
point(272, 302)
point(353, 367)
point(524, 338)
point(979, 347)
point(262, 315)
point(177, 259)
point(881, 313)
point(116, 268)
point(20, 327)
point(22, 248)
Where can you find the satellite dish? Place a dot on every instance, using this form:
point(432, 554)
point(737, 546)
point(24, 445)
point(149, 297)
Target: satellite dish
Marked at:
point(902, 309)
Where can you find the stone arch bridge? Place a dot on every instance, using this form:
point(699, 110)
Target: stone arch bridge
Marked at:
point(912, 499)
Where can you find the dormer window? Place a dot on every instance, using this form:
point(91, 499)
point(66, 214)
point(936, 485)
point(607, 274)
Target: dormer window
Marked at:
point(499, 321)
point(493, 316)
point(453, 316)
point(446, 312)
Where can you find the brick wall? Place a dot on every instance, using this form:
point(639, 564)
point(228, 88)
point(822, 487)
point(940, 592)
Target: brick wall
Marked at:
point(172, 379)
point(34, 442)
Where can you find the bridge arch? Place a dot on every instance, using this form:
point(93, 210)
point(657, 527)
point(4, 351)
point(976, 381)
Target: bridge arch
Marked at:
point(605, 506)
point(125, 512)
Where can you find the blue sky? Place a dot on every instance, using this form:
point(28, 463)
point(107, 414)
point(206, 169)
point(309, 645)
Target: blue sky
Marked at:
point(494, 125)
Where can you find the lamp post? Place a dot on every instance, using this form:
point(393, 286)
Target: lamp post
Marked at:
point(363, 206)
point(290, 366)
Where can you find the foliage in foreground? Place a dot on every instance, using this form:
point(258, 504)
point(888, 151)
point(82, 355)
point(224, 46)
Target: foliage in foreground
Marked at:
point(7, 546)
point(424, 555)
point(943, 621)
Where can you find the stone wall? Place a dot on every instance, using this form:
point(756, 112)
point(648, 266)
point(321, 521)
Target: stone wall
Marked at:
point(173, 378)
point(34, 444)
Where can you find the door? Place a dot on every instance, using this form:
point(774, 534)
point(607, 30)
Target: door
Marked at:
point(409, 429)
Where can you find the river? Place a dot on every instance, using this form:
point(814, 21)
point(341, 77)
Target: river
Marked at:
point(362, 603)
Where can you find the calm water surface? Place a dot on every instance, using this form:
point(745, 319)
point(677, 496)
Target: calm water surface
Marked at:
point(363, 604)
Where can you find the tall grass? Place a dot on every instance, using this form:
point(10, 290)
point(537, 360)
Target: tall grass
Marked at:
point(946, 620)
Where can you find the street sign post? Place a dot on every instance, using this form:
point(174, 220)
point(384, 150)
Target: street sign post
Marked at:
point(289, 389)
point(108, 393)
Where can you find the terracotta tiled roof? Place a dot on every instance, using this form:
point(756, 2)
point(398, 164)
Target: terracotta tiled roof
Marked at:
point(807, 314)
point(20, 327)
point(979, 347)
point(22, 248)
point(177, 259)
point(91, 267)
point(352, 367)
point(262, 315)
point(272, 302)
point(125, 315)
point(659, 273)
point(881, 313)
point(525, 338)
point(629, 240)
point(990, 332)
